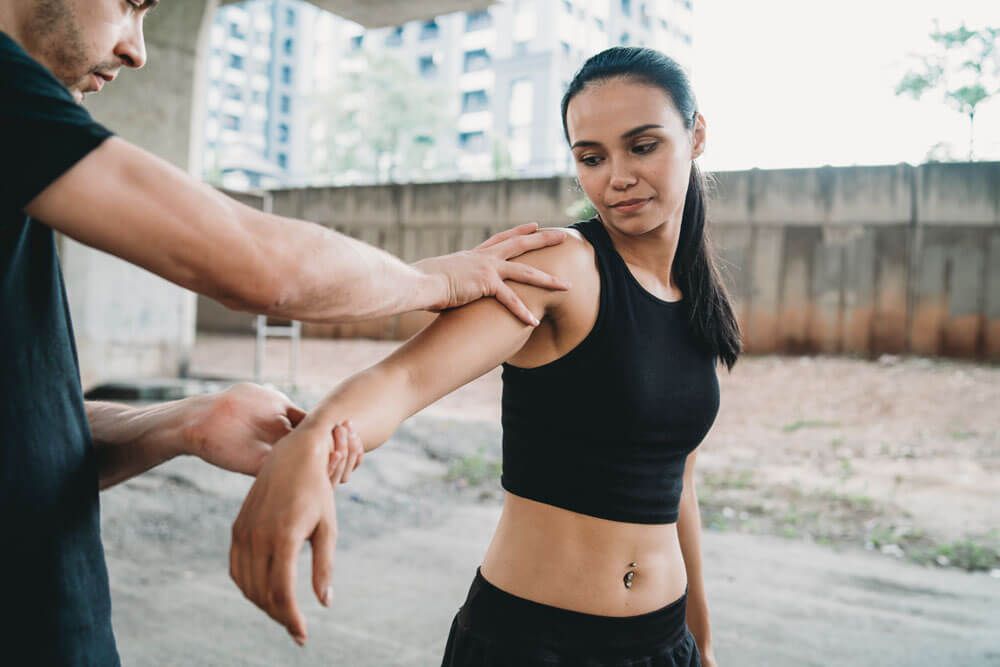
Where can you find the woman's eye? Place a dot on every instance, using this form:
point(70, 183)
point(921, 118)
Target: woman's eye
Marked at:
point(591, 160)
point(642, 149)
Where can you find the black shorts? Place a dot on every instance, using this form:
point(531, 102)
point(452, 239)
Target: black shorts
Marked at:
point(497, 629)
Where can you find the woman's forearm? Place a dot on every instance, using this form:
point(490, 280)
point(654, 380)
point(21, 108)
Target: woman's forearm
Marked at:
point(376, 401)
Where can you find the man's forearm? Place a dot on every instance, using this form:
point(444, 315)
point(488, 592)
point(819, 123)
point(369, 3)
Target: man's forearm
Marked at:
point(129, 441)
point(330, 277)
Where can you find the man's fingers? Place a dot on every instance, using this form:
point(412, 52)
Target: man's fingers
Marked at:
point(527, 228)
point(357, 445)
point(515, 247)
point(295, 414)
point(338, 454)
point(281, 604)
point(508, 298)
point(354, 451)
point(324, 541)
point(529, 275)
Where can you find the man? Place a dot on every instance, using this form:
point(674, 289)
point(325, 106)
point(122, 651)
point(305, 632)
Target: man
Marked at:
point(62, 171)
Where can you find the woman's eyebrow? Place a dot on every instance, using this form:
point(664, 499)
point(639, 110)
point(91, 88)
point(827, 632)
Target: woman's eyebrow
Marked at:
point(631, 133)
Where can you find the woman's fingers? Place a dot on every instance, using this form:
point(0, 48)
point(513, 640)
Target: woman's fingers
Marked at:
point(324, 541)
point(280, 601)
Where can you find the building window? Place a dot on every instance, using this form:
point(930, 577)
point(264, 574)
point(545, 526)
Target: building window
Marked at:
point(282, 160)
point(644, 16)
point(478, 21)
point(395, 36)
point(627, 7)
point(236, 32)
point(473, 142)
point(235, 61)
point(664, 24)
point(568, 7)
point(521, 111)
point(285, 104)
point(429, 30)
point(283, 133)
point(520, 115)
point(289, 46)
point(289, 17)
point(258, 97)
point(286, 74)
point(231, 122)
point(475, 100)
point(476, 60)
point(624, 39)
point(599, 23)
point(233, 92)
point(427, 66)
point(357, 42)
point(565, 48)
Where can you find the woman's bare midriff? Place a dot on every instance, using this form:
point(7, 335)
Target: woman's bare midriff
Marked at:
point(574, 561)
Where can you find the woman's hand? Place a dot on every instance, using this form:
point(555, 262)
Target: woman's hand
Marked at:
point(290, 502)
point(708, 657)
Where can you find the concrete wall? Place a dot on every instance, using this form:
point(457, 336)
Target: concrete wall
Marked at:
point(858, 260)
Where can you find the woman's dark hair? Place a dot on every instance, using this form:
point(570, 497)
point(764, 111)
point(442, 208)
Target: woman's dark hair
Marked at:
point(694, 268)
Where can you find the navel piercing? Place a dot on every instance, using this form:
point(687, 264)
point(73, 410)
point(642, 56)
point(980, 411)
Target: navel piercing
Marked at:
point(629, 576)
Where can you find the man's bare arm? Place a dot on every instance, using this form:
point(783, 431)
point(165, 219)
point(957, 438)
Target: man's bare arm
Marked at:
point(232, 429)
point(132, 204)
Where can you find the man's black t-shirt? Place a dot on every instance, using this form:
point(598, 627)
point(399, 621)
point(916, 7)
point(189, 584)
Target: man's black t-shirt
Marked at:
point(55, 598)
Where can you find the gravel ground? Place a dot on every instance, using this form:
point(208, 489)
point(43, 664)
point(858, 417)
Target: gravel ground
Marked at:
point(850, 508)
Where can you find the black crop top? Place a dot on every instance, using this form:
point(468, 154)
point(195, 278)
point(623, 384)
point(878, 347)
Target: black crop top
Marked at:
point(605, 429)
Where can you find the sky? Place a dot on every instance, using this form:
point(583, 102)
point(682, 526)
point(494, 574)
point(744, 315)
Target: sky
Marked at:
point(802, 83)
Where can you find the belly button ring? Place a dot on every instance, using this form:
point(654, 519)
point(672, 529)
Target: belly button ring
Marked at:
point(629, 576)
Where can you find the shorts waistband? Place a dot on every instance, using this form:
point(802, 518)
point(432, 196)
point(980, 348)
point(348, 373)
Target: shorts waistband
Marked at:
point(489, 606)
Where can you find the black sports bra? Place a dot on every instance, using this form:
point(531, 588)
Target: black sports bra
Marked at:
point(605, 429)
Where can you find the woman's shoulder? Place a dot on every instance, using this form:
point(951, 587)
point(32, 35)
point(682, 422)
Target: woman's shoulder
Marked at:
point(573, 255)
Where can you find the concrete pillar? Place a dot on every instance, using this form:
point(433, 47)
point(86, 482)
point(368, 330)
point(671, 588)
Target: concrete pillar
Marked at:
point(128, 322)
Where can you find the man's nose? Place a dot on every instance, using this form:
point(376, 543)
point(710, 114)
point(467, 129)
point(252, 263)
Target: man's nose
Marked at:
point(131, 50)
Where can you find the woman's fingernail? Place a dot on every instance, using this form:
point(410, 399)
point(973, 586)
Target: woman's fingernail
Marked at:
point(299, 639)
point(327, 596)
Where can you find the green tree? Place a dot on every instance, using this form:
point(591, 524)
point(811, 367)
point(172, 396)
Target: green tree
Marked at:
point(382, 119)
point(965, 67)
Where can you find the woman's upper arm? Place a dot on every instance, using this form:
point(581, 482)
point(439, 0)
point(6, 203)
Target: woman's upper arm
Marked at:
point(464, 343)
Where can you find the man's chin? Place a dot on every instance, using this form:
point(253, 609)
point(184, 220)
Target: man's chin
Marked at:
point(77, 95)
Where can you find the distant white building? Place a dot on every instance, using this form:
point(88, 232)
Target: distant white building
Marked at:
point(501, 74)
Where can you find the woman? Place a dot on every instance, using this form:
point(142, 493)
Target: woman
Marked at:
point(596, 558)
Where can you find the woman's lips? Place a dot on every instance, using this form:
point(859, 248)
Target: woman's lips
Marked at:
point(631, 205)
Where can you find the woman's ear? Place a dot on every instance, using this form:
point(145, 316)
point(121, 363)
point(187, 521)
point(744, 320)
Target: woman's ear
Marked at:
point(698, 136)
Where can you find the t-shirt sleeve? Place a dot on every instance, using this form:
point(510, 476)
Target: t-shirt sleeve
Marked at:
point(43, 131)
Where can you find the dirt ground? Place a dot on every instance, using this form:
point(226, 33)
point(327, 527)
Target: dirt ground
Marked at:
point(900, 454)
point(850, 511)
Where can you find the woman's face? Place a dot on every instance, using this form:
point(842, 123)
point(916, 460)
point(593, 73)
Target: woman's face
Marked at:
point(633, 154)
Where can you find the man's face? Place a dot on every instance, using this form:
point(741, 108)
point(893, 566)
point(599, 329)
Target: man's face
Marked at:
point(86, 42)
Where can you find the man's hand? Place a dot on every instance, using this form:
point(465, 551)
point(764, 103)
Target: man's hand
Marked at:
point(481, 272)
point(235, 429)
point(290, 502)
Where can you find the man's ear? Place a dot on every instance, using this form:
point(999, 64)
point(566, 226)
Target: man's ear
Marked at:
point(698, 136)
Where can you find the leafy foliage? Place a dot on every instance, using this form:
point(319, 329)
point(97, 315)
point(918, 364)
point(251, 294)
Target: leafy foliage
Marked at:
point(965, 67)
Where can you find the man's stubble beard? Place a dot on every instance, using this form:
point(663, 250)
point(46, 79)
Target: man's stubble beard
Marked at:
point(55, 39)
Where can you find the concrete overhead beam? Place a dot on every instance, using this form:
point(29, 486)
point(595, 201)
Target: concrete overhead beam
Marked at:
point(381, 13)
